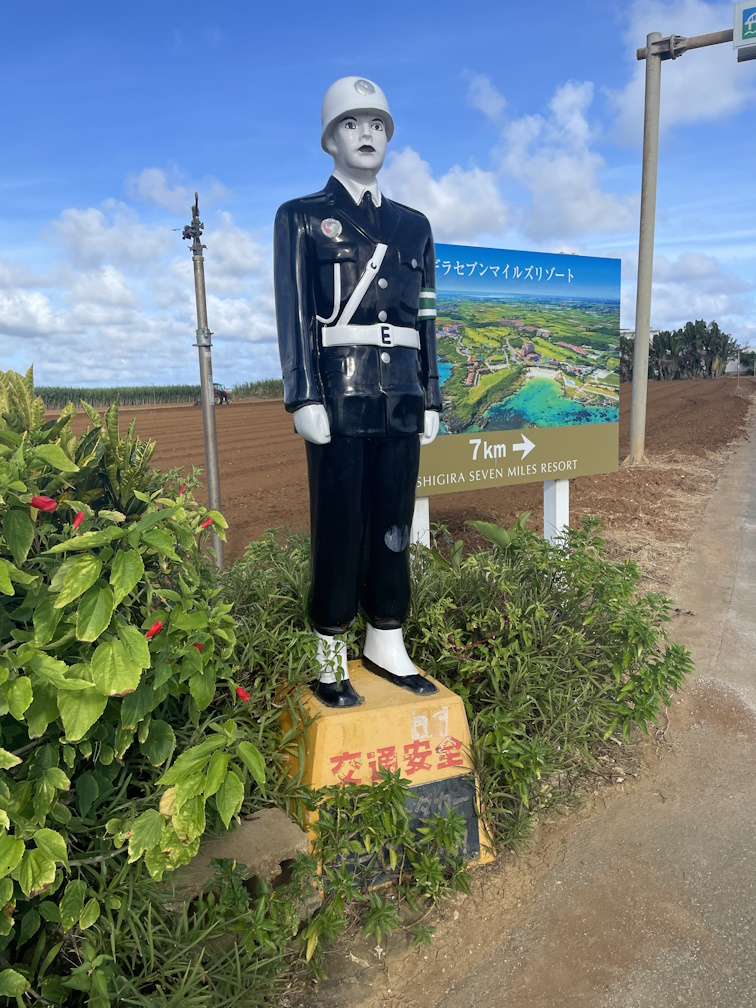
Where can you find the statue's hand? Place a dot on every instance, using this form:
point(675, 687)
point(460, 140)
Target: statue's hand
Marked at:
point(311, 423)
point(430, 427)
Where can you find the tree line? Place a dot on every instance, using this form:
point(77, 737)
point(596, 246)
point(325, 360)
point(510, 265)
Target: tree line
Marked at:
point(697, 350)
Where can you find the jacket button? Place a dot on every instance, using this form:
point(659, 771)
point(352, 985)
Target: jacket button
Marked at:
point(414, 264)
point(386, 357)
point(383, 283)
point(382, 316)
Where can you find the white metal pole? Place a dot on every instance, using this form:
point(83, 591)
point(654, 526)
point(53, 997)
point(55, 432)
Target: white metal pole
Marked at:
point(420, 532)
point(645, 251)
point(556, 508)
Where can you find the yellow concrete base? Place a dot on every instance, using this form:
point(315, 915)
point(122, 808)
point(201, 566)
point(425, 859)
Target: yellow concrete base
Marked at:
point(427, 738)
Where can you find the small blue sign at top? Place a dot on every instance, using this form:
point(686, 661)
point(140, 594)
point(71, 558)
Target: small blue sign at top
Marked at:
point(749, 23)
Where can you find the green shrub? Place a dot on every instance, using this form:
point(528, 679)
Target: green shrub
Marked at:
point(111, 633)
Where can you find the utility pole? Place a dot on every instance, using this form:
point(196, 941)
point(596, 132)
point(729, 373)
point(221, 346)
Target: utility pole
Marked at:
point(656, 50)
point(193, 231)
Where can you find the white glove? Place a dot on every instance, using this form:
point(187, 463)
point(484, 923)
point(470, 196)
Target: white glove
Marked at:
point(311, 423)
point(430, 427)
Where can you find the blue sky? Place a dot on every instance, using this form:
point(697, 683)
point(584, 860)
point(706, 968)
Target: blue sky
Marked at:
point(517, 126)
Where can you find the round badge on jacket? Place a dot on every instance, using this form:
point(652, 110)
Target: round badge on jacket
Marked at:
point(331, 228)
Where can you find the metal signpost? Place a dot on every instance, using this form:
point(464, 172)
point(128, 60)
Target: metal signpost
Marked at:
point(193, 231)
point(657, 49)
point(528, 351)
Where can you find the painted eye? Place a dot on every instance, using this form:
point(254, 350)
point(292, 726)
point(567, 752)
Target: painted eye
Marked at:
point(349, 124)
point(377, 126)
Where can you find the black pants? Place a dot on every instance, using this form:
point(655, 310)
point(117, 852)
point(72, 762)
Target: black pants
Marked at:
point(362, 497)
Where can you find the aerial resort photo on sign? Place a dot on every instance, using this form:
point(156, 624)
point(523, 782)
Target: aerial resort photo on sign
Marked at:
point(528, 359)
point(526, 339)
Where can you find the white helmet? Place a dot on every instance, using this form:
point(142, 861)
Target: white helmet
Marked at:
point(353, 94)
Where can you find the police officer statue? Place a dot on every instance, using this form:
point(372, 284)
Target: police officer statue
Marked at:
point(355, 306)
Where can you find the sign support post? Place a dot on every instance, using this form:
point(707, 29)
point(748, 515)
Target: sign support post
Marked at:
point(203, 344)
point(656, 50)
point(556, 509)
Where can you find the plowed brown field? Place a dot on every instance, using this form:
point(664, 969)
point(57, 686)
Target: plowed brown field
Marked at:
point(264, 480)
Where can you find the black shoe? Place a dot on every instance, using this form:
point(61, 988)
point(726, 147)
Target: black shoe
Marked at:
point(337, 694)
point(414, 683)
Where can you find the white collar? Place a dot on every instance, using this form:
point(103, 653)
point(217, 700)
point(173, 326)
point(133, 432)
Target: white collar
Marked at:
point(356, 189)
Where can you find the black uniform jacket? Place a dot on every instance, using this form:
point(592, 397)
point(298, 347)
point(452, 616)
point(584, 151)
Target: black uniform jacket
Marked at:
point(368, 391)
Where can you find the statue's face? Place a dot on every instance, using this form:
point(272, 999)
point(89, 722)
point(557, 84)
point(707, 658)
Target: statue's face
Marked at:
point(357, 143)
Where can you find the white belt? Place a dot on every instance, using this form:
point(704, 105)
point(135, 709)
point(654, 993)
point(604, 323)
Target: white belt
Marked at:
point(370, 335)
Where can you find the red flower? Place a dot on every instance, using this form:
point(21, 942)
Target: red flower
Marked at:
point(200, 647)
point(80, 516)
point(242, 693)
point(182, 491)
point(206, 522)
point(44, 503)
point(154, 629)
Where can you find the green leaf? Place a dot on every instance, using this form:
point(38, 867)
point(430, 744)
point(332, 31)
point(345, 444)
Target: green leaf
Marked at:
point(230, 797)
point(80, 711)
point(499, 536)
point(137, 705)
point(189, 820)
point(216, 773)
point(35, 873)
point(8, 760)
point(42, 711)
point(52, 844)
point(160, 743)
point(250, 756)
point(94, 612)
point(202, 687)
point(6, 892)
point(134, 643)
point(87, 792)
point(153, 518)
point(55, 456)
point(19, 695)
point(18, 529)
point(49, 911)
point(192, 759)
point(114, 673)
point(11, 852)
point(29, 926)
point(55, 672)
point(12, 984)
point(46, 618)
point(126, 573)
point(6, 588)
point(72, 903)
point(87, 540)
point(80, 576)
point(145, 833)
point(162, 541)
point(89, 916)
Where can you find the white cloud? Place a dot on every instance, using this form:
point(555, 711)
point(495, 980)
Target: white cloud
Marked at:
point(120, 302)
point(153, 185)
point(703, 84)
point(462, 205)
point(551, 157)
point(26, 313)
point(91, 236)
point(484, 96)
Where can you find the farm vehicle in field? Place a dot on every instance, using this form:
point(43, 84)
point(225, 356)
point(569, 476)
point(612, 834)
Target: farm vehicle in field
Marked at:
point(221, 395)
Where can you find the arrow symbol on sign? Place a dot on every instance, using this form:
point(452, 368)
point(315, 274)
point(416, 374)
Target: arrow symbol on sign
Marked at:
point(526, 447)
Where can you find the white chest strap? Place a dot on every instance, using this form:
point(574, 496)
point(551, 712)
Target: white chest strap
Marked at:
point(370, 273)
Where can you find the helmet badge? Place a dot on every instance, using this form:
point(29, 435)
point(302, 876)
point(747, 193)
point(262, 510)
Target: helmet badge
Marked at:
point(364, 87)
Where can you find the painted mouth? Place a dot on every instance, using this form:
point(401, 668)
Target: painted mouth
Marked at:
point(367, 149)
